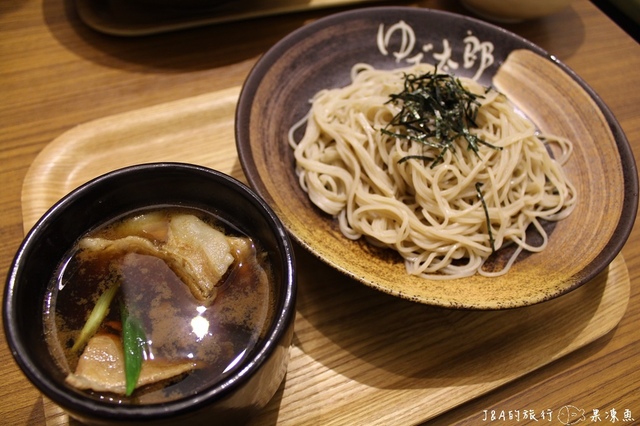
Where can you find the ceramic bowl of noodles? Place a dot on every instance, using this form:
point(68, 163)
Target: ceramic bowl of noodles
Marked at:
point(160, 293)
point(437, 158)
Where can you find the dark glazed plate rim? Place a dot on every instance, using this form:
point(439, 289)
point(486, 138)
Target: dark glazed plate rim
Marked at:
point(307, 43)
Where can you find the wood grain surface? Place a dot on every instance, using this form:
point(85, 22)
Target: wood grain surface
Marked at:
point(56, 74)
point(352, 345)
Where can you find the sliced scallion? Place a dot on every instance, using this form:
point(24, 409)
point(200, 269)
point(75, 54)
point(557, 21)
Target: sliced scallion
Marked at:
point(134, 342)
point(98, 314)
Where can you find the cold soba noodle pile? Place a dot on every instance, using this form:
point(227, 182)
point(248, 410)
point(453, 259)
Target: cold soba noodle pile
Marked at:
point(440, 169)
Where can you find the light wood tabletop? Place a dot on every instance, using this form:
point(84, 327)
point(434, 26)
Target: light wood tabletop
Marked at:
point(57, 73)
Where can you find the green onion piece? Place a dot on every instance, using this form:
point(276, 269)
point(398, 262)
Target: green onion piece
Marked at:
point(134, 342)
point(98, 314)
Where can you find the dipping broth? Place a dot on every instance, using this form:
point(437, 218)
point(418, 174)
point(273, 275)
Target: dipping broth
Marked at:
point(198, 292)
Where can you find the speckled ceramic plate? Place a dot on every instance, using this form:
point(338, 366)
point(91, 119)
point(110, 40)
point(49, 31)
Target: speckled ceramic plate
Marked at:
point(321, 54)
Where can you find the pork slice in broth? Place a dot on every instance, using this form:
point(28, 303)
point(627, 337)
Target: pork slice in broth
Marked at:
point(200, 252)
point(197, 252)
point(101, 367)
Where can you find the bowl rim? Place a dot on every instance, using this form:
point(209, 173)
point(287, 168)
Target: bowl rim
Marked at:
point(76, 401)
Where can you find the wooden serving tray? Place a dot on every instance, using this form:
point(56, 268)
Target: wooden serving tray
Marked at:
point(128, 18)
point(358, 356)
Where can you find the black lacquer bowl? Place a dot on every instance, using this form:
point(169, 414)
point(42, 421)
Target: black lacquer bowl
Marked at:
point(252, 383)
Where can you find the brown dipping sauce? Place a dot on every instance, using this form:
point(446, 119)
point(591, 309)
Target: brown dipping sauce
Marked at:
point(179, 327)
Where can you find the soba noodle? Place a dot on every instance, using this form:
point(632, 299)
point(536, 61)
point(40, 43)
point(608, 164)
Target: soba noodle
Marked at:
point(431, 214)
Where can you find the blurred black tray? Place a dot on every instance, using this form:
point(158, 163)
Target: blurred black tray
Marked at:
point(127, 18)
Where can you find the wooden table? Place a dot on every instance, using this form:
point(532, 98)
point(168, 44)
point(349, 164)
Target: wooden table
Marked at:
point(56, 73)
